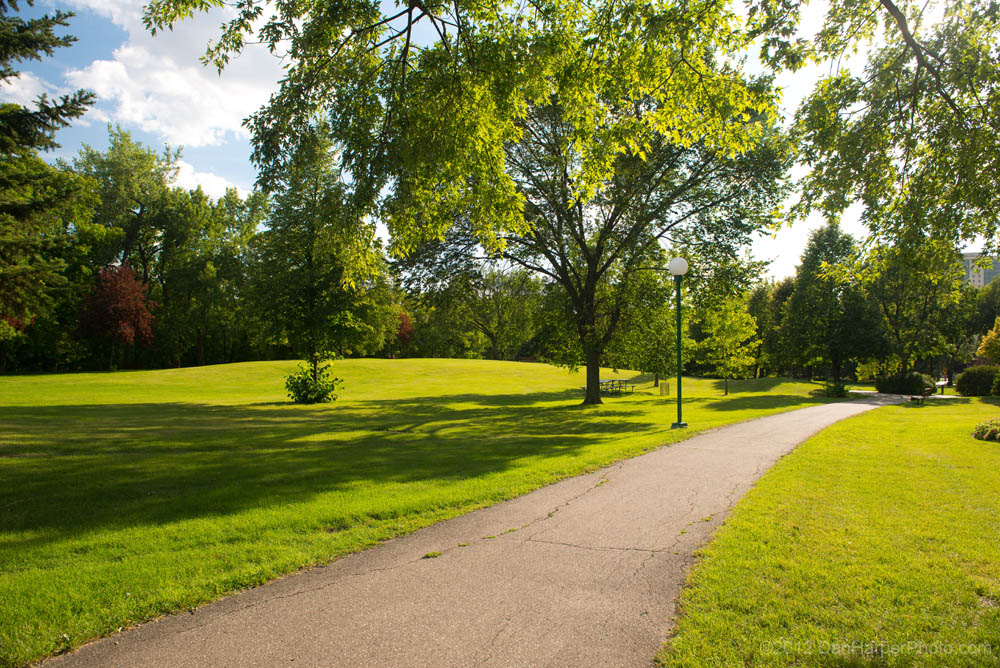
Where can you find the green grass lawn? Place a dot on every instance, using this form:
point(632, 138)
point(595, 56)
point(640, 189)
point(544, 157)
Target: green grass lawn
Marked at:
point(875, 543)
point(127, 495)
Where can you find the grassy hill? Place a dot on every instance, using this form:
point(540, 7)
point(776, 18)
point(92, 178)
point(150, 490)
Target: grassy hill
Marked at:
point(124, 496)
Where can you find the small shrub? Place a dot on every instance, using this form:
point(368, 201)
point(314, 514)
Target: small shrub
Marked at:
point(976, 381)
point(912, 382)
point(302, 389)
point(988, 431)
point(835, 390)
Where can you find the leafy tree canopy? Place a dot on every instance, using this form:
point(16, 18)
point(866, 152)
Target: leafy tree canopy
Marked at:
point(827, 320)
point(422, 100)
point(914, 137)
point(989, 347)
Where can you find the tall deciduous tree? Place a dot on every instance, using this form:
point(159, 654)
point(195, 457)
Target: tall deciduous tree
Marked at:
point(198, 269)
point(594, 248)
point(571, 137)
point(914, 138)
point(132, 181)
point(915, 283)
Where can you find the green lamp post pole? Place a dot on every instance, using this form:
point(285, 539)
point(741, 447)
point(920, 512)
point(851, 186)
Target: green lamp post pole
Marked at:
point(678, 267)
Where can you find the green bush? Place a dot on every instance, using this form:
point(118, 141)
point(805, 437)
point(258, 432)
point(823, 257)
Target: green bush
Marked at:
point(835, 390)
point(988, 431)
point(912, 382)
point(976, 381)
point(302, 389)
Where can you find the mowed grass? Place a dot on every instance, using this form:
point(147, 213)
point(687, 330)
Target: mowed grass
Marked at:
point(875, 543)
point(124, 496)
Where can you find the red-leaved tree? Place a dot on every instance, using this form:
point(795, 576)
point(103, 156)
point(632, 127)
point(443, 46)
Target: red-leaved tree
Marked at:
point(118, 312)
point(405, 332)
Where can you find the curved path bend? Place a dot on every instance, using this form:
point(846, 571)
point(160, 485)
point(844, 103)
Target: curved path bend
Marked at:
point(588, 577)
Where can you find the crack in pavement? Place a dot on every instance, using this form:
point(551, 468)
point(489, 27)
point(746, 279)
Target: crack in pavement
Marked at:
point(605, 480)
point(299, 592)
point(532, 539)
point(491, 645)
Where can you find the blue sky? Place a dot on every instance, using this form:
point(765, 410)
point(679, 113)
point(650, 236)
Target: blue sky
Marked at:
point(157, 89)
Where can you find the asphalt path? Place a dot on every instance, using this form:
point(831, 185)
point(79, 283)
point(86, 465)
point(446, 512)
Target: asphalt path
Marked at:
point(584, 572)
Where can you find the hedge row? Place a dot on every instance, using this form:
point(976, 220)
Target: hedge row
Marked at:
point(978, 381)
point(905, 383)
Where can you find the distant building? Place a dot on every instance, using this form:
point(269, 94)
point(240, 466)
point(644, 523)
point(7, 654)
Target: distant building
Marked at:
point(979, 276)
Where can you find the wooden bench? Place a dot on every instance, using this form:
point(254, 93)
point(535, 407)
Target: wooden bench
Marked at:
point(919, 399)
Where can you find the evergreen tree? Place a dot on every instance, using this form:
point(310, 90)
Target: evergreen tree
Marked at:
point(39, 204)
point(30, 129)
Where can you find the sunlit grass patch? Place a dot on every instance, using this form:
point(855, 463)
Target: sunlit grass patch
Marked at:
point(876, 543)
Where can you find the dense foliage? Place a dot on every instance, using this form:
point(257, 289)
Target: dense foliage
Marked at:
point(977, 381)
point(117, 312)
point(912, 382)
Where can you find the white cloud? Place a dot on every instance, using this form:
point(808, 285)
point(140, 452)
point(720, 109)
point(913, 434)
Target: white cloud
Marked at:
point(159, 84)
point(124, 13)
point(214, 186)
point(24, 89)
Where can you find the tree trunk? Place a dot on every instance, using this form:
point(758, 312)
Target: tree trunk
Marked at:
point(726, 393)
point(493, 347)
point(835, 364)
point(593, 377)
point(111, 358)
point(201, 347)
point(656, 380)
point(314, 360)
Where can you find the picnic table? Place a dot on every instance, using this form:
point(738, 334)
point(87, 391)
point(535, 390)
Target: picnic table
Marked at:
point(616, 386)
point(613, 386)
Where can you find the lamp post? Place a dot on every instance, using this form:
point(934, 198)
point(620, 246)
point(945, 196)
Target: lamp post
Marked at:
point(678, 267)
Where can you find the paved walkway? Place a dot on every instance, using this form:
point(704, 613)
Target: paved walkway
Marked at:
point(581, 573)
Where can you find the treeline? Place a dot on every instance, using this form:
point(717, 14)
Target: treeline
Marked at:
point(134, 272)
point(853, 312)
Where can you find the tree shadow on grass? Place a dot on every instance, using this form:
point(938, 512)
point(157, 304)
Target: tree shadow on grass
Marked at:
point(73, 469)
point(759, 402)
point(766, 384)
